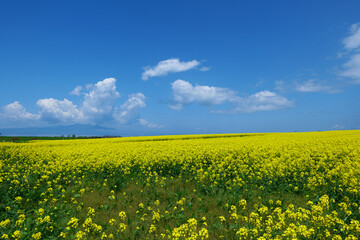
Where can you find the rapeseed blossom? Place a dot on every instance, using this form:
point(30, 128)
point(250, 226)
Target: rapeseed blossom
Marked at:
point(233, 186)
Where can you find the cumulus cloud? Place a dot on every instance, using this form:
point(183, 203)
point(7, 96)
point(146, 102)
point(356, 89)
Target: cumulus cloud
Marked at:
point(185, 93)
point(353, 41)
point(98, 106)
point(352, 69)
point(99, 102)
point(76, 91)
point(16, 111)
point(168, 66)
point(261, 101)
point(130, 109)
point(63, 111)
point(313, 85)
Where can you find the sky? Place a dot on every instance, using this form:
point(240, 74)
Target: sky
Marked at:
point(179, 67)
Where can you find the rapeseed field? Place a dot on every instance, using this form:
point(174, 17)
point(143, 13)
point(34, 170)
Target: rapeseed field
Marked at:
point(230, 186)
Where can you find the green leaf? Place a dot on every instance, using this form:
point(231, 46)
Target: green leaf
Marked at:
point(168, 228)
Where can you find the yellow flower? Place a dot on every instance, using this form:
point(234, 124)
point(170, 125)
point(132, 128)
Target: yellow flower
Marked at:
point(36, 236)
point(73, 222)
point(5, 223)
point(122, 227)
point(112, 221)
point(91, 212)
point(242, 203)
point(4, 236)
point(203, 233)
point(156, 216)
point(122, 215)
point(41, 211)
point(79, 235)
point(16, 234)
point(242, 232)
point(62, 235)
point(47, 219)
point(152, 228)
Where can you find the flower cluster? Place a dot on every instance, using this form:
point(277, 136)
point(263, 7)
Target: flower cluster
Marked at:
point(230, 186)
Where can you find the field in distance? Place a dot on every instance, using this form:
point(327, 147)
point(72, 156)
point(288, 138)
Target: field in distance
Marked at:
point(220, 186)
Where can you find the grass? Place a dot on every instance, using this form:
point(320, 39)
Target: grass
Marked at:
point(208, 205)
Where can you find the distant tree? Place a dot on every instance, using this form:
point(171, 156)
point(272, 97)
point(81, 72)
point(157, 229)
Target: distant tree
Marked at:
point(73, 136)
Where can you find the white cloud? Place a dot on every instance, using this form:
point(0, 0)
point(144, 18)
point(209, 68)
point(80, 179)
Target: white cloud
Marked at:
point(261, 101)
point(313, 85)
point(76, 91)
point(145, 123)
point(97, 107)
point(16, 111)
point(352, 69)
point(204, 69)
point(168, 66)
point(99, 102)
point(185, 93)
point(63, 111)
point(130, 110)
point(353, 41)
point(176, 106)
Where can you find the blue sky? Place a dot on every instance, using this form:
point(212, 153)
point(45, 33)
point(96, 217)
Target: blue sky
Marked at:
point(180, 67)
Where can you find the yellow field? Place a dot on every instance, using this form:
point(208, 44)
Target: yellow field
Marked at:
point(233, 186)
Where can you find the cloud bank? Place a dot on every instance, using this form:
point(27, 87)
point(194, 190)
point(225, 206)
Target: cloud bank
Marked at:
point(185, 93)
point(97, 107)
point(165, 67)
point(16, 111)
